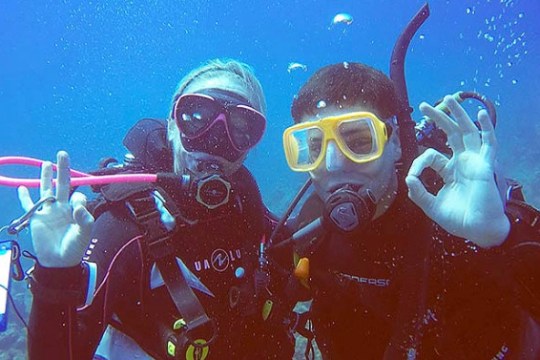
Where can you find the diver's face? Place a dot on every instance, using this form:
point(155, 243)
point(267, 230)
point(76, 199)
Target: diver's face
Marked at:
point(337, 170)
point(202, 163)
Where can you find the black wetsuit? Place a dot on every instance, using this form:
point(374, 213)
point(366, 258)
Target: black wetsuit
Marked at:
point(222, 241)
point(379, 293)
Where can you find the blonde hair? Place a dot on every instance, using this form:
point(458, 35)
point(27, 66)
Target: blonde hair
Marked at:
point(225, 74)
point(240, 78)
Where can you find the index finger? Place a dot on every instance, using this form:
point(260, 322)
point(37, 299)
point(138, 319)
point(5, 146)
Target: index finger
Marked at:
point(45, 180)
point(63, 177)
point(471, 138)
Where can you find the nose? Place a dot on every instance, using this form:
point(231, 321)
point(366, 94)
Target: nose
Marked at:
point(335, 160)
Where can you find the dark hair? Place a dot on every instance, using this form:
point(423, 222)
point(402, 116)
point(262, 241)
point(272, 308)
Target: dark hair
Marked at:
point(346, 84)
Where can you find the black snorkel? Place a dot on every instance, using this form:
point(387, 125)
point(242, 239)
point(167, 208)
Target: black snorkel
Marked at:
point(406, 124)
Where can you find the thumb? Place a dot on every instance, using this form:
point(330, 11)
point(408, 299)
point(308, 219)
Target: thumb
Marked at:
point(419, 195)
point(24, 198)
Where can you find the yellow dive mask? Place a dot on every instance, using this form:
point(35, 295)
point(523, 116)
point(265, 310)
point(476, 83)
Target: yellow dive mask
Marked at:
point(361, 137)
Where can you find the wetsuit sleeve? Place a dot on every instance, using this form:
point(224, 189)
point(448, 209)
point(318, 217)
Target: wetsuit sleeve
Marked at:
point(57, 329)
point(50, 318)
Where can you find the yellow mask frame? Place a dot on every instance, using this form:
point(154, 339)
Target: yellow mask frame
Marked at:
point(329, 129)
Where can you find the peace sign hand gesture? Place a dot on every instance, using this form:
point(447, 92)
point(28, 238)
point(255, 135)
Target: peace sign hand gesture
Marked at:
point(61, 228)
point(469, 204)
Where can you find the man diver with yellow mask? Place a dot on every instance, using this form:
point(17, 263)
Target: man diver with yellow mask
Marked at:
point(437, 273)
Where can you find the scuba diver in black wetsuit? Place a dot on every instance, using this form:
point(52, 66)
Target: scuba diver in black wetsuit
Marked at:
point(395, 270)
point(171, 270)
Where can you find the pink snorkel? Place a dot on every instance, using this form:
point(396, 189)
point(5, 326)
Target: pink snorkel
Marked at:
point(78, 178)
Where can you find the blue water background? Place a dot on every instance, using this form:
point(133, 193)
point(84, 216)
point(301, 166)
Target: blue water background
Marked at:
point(75, 75)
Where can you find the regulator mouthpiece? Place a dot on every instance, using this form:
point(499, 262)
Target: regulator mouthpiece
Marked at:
point(347, 210)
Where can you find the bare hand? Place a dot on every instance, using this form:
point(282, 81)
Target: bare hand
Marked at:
point(469, 204)
point(60, 229)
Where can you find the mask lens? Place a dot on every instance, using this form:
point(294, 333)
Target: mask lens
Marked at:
point(194, 114)
point(246, 127)
point(359, 136)
point(213, 142)
point(306, 146)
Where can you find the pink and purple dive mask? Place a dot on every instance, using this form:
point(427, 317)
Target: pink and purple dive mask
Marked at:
point(218, 122)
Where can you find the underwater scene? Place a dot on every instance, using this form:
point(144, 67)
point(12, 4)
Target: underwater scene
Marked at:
point(77, 75)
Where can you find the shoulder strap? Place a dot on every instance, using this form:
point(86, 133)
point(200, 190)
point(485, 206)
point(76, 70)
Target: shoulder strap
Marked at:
point(160, 249)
